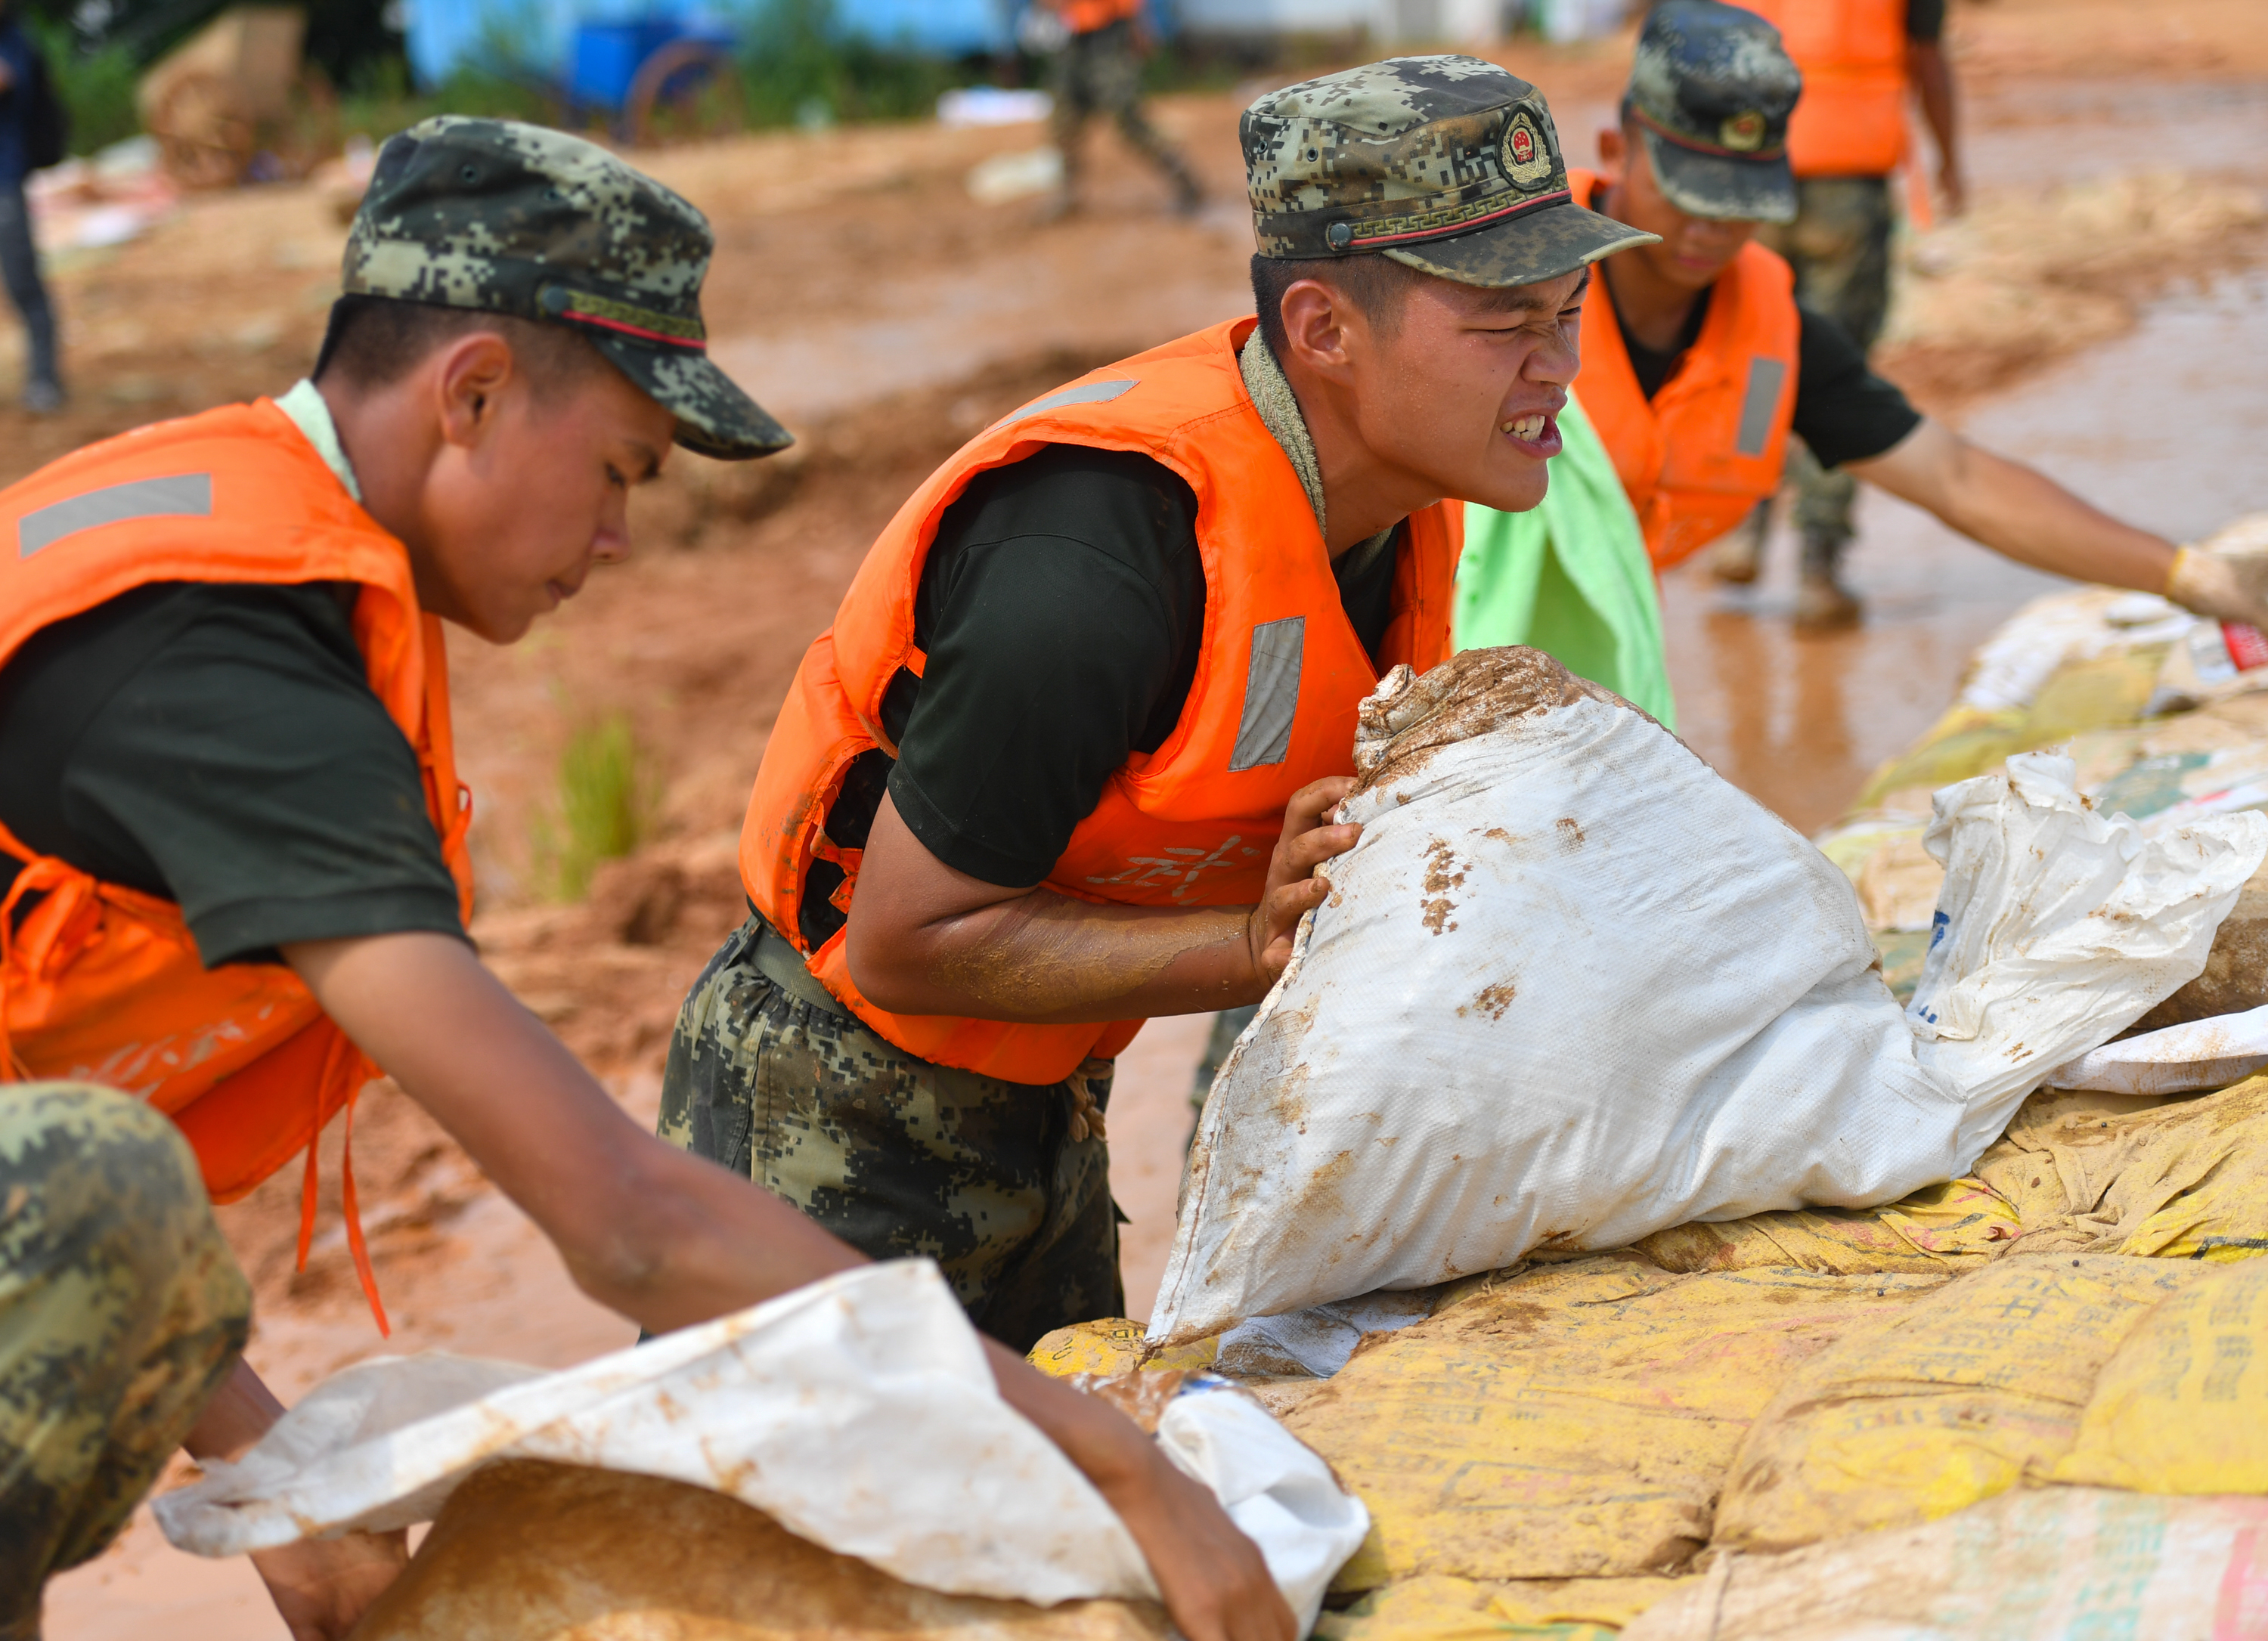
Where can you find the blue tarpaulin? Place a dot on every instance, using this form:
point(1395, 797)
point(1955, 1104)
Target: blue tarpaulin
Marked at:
point(537, 36)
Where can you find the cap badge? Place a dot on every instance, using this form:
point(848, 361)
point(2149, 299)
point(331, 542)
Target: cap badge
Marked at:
point(1526, 156)
point(1744, 132)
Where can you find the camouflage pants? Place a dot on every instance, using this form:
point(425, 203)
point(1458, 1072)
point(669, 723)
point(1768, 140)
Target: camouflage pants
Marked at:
point(771, 1077)
point(1100, 72)
point(121, 1312)
point(1839, 245)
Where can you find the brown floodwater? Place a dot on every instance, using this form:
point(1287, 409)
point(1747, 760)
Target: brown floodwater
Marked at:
point(2163, 427)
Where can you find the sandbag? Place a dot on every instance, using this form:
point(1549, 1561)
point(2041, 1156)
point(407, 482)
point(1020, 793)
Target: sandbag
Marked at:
point(1571, 1421)
point(2181, 1406)
point(1961, 1395)
point(2164, 1179)
point(1571, 988)
point(2055, 1564)
point(527, 1550)
point(1432, 1607)
point(1955, 1225)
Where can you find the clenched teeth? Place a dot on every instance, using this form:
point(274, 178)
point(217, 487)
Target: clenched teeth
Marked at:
point(1528, 427)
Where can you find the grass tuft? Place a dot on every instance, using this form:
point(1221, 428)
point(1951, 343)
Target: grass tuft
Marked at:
point(604, 806)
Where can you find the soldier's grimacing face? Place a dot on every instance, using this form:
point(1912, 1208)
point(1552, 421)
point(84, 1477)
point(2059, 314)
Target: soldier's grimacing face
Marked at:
point(1466, 386)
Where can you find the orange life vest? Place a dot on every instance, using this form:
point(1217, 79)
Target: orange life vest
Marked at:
point(1271, 706)
point(1711, 444)
point(1084, 17)
point(101, 983)
point(1851, 121)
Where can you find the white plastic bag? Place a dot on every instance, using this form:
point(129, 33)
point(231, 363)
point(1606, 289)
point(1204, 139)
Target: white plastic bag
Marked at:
point(2174, 1059)
point(859, 1412)
point(1572, 987)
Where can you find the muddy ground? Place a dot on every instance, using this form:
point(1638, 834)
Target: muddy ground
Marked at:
point(2094, 314)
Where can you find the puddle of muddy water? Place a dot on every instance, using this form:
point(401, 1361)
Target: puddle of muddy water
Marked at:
point(2162, 427)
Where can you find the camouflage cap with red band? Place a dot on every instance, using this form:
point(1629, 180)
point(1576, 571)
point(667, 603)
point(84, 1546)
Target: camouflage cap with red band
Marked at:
point(1447, 164)
point(517, 219)
point(1711, 90)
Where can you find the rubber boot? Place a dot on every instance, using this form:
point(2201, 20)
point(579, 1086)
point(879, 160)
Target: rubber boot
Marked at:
point(1821, 602)
point(1739, 556)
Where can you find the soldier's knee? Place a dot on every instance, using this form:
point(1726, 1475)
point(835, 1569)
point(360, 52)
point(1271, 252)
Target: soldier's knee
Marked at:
point(92, 1180)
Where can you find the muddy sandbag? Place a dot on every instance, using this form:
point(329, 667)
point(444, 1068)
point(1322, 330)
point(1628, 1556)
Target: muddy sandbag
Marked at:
point(528, 1550)
point(2164, 1179)
point(1574, 1420)
point(2181, 1406)
point(2064, 1564)
point(1434, 1607)
point(1572, 987)
point(1968, 1392)
point(1956, 1224)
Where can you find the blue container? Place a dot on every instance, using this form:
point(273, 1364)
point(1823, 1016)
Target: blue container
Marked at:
point(607, 56)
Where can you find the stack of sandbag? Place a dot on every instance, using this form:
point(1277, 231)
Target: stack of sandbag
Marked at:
point(1572, 989)
point(2165, 717)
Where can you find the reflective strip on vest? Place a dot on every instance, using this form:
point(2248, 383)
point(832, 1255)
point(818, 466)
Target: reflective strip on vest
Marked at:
point(1271, 694)
point(1766, 376)
point(180, 495)
point(1084, 394)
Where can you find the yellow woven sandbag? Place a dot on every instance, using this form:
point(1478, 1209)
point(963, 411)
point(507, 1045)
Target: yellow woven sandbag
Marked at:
point(1432, 1607)
point(1945, 1227)
point(1112, 1346)
point(1959, 1396)
point(1571, 1421)
point(2172, 1179)
point(2182, 1406)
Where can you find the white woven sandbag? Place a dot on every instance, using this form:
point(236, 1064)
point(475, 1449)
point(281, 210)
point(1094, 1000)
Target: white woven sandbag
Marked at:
point(1571, 987)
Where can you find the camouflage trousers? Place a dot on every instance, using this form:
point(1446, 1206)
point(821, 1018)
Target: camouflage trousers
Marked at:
point(1839, 245)
point(1005, 1185)
point(121, 1312)
point(1100, 72)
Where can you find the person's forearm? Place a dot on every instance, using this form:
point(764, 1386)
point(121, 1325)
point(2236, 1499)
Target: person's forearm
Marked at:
point(664, 1237)
point(1048, 959)
point(1933, 81)
point(240, 1413)
point(2018, 512)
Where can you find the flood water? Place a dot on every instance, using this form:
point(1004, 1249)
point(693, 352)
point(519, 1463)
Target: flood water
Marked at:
point(2163, 427)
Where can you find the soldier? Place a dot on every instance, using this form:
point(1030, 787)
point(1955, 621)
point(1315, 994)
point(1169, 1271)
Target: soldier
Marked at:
point(1098, 70)
point(1699, 359)
point(234, 848)
point(1859, 59)
point(1065, 757)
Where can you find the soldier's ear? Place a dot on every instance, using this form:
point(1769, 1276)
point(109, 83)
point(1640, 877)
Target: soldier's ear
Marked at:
point(1613, 150)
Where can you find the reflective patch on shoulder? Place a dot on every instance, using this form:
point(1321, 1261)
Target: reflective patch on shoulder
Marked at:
point(1758, 405)
point(1080, 394)
point(1271, 694)
point(180, 495)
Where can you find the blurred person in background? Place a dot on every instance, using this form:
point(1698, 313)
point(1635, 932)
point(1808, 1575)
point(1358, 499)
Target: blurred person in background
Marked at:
point(32, 137)
point(1098, 47)
point(1860, 59)
point(1699, 360)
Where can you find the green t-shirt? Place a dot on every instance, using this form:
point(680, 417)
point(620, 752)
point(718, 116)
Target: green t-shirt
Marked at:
point(1570, 578)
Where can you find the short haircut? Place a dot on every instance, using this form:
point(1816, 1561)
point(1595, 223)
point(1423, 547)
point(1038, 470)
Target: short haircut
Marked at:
point(373, 341)
point(1374, 282)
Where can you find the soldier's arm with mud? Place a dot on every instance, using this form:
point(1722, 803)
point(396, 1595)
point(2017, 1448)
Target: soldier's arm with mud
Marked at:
point(668, 1239)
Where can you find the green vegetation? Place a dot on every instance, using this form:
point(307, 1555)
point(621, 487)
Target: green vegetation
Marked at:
point(97, 87)
point(800, 70)
point(605, 805)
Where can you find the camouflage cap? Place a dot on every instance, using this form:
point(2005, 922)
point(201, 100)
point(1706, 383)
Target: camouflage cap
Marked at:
point(1710, 92)
point(1447, 164)
point(517, 219)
